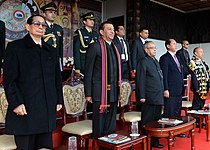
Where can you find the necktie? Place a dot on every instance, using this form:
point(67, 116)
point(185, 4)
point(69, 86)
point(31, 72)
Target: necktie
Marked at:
point(51, 26)
point(177, 63)
point(123, 47)
point(186, 56)
point(38, 45)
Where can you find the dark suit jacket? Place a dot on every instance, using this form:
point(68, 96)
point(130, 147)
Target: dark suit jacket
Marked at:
point(2, 41)
point(172, 77)
point(137, 52)
point(184, 60)
point(119, 47)
point(149, 81)
point(32, 77)
point(93, 72)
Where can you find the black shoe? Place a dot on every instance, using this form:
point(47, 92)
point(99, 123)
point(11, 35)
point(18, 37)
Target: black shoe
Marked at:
point(181, 135)
point(203, 125)
point(157, 145)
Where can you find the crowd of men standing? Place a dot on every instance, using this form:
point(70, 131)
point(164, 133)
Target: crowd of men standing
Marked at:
point(104, 60)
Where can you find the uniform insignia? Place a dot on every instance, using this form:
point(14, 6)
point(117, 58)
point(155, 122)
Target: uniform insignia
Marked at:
point(58, 33)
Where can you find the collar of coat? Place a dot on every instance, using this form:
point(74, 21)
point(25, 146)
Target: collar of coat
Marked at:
point(30, 43)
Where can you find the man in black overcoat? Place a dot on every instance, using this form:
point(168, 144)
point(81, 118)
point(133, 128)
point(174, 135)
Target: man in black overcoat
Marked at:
point(33, 87)
point(149, 88)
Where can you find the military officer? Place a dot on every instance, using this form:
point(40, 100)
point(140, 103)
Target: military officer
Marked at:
point(54, 32)
point(82, 39)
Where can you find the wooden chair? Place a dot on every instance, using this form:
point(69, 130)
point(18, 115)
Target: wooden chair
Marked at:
point(75, 106)
point(7, 142)
point(186, 103)
point(127, 117)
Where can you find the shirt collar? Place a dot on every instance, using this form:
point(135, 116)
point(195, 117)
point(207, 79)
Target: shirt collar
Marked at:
point(119, 37)
point(172, 54)
point(143, 40)
point(49, 23)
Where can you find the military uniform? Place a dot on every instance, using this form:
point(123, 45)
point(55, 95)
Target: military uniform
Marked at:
point(54, 34)
point(81, 42)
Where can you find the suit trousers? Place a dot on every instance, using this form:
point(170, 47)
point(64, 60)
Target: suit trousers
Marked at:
point(104, 123)
point(125, 70)
point(197, 103)
point(172, 106)
point(34, 141)
point(150, 113)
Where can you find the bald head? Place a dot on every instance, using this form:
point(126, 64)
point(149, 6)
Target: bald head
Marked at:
point(198, 52)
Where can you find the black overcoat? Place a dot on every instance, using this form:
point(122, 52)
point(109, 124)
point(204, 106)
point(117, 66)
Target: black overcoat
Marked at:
point(31, 77)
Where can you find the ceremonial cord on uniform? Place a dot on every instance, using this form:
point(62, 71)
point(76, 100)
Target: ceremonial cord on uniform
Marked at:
point(48, 36)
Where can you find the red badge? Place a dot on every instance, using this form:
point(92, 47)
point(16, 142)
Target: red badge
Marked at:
point(58, 33)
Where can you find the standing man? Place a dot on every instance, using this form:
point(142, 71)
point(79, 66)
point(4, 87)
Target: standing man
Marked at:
point(2, 42)
point(54, 33)
point(172, 80)
point(33, 92)
point(149, 83)
point(82, 39)
point(137, 51)
point(199, 78)
point(184, 56)
point(123, 48)
point(102, 81)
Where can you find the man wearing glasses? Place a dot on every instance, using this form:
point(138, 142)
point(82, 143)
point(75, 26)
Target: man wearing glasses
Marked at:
point(184, 56)
point(32, 83)
point(149, 89)
point(54, 33)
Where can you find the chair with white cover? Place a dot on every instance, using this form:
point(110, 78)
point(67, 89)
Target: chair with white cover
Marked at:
point(7, 142)
point(126, 118)
point(75, 106)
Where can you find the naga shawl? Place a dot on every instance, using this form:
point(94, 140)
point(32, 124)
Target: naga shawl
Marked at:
point(200, 70)
point(105, 87)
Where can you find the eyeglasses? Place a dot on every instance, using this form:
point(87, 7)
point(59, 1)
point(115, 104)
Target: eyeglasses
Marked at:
point(37, 24)
point(152, 48)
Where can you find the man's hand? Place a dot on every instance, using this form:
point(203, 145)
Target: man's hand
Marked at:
point(77, 72)
point(58, 107)
point(142, 100)
point(133, 74)
point(20, 110)
point(166, 94)
point(89, 99)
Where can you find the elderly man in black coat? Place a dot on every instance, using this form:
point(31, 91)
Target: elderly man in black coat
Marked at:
point(32, 82)
point(149, 88)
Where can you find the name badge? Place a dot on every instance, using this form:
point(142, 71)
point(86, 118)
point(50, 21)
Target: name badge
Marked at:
point(122, 56)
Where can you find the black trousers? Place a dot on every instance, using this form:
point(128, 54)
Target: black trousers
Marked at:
point(197, 103)
point(125, 70)
point(172, 106)
point(34, 142)
point(150, 113)
point(104, 123)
